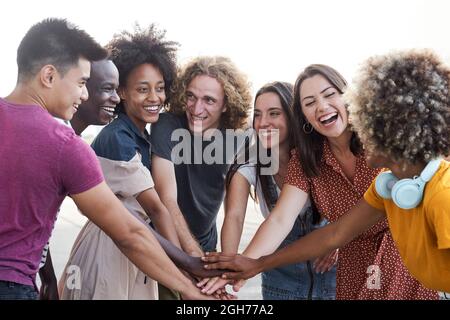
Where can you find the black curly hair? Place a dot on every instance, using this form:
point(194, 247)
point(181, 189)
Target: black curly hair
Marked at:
point(130, 50)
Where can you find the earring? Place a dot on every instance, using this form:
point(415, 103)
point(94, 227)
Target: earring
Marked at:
point(307, 128)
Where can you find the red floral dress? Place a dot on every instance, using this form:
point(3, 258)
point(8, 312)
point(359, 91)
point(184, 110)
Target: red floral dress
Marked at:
point(369, 267)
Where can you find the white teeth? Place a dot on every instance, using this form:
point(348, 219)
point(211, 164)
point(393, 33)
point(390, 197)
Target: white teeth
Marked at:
point(328, 116)
point(108, 109)
point(266, 133)
point(198, 118)
point(152, 108)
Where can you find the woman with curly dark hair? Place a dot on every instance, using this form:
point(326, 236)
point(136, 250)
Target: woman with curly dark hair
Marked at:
point(147, 69)
point(329, 164)
point(401, 110)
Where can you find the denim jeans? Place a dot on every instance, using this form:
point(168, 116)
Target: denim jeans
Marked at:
point(16, 291)
point(299, 281)
point(444, 296)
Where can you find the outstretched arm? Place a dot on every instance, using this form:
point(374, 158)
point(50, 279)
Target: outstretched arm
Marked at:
point(163, 173)
point(315, 244)
point(278, 224)
point(157, 212)
point(134, 239)
point(235, 206)
point(193, 265)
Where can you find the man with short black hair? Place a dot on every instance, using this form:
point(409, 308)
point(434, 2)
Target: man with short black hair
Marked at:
point(42, 161)
point(98, 109)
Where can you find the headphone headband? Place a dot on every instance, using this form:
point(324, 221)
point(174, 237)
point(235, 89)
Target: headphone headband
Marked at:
point(430, 169)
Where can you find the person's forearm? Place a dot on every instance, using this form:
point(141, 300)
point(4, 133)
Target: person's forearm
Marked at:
point(182, 260)
point(146, 253)
point(163, 222)
point(187, 241)
point(323, 240)
point(278, 224)
point(313, 245)
point(231, 234)
point(267, 239)
point(133, 238)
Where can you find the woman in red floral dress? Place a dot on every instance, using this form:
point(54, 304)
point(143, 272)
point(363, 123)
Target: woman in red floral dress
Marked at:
point(334, 172)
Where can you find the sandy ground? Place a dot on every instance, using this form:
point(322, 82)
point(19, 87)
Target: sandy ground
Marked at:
point(70, 221)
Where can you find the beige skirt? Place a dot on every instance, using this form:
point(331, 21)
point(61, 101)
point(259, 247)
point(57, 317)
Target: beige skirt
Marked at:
point(97, 269)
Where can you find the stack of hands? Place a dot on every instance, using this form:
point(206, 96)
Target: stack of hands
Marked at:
point(221, 269)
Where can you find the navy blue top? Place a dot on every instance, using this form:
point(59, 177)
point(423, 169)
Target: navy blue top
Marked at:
point(121, 139)
point(200, 187)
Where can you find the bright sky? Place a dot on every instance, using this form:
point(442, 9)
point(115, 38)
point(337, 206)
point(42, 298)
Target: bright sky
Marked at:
point(268, 40)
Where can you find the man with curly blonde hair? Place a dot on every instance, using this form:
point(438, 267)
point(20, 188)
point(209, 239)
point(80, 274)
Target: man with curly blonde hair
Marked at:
point(400, 107)
point(211, 95)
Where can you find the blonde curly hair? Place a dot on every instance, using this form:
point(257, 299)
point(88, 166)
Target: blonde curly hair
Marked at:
point(235, 85)
point(400, 106)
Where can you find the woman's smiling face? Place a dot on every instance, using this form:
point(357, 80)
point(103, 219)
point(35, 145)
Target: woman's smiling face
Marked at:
point(323, 106)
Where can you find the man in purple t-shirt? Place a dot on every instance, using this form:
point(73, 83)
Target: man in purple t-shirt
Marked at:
point(42, 161)
point(96, 110)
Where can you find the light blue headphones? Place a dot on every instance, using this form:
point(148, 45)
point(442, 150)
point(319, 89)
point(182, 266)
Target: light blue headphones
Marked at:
point(406, 193)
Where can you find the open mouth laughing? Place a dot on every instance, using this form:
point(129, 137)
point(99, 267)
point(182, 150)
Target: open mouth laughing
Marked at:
point(328, 119)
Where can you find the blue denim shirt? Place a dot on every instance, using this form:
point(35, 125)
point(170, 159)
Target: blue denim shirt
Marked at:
point(297, 281)
point(121, 139)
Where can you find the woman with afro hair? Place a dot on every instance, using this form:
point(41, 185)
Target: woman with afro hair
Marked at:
point(147, 69)
point(400, 109)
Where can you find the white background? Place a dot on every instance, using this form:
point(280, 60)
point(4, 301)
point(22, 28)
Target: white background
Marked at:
point(268, 40)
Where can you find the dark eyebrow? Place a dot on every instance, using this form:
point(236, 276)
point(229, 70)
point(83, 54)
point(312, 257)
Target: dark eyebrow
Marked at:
point(85, 79)
point(311, 97)
point(209, 97)
point(148, 83)
point(326, 89)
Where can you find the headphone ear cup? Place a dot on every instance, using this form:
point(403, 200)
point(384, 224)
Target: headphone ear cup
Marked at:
point(384, 184)
point(407, 194)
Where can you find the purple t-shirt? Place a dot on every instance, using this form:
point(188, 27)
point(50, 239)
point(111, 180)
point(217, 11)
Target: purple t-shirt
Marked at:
point(41, 161)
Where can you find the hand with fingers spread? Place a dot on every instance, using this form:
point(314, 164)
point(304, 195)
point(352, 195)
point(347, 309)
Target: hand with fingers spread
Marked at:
point(243, 267)
point(327, 262)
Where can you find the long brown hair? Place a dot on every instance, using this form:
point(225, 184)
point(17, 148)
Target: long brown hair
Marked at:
point(284, 91)
point(310, 146)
